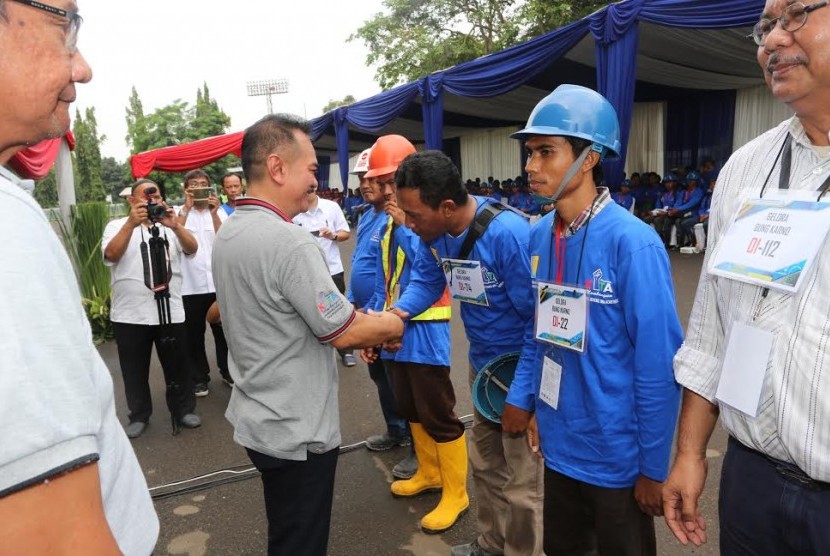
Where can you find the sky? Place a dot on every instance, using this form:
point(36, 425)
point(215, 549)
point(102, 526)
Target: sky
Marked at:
point(168, 48)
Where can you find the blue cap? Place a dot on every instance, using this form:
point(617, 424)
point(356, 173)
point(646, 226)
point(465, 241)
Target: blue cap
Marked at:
point(692, 176)
point(669, 177)
point(576, 111)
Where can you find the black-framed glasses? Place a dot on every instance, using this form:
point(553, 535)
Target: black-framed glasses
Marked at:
point(792, 18)
point(73, 17)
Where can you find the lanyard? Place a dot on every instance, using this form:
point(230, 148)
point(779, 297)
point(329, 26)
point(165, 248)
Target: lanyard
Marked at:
point(560, 251)
point(786, 156)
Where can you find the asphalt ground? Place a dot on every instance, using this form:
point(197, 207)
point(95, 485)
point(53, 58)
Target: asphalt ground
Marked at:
point(229, 519)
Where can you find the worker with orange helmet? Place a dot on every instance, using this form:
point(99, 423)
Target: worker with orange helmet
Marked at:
point(420, 368)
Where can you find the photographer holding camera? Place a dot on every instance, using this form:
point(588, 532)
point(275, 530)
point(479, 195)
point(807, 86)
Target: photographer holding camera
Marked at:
point(144, 261)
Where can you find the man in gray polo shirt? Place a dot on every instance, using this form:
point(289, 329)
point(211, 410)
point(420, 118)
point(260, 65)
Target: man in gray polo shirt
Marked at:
point(282, 316)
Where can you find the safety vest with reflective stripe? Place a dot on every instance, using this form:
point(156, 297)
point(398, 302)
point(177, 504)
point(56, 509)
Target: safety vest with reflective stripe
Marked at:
point(440, 310)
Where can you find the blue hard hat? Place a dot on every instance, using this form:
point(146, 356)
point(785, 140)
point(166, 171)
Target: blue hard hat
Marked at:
point(692, 176)
point(626, 183)
point(576, 111)
point(669, 177)
point(491, 385)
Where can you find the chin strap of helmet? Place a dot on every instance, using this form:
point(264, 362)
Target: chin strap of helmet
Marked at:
point(569, 175)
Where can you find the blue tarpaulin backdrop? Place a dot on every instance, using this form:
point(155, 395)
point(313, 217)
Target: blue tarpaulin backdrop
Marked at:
point(615, 30)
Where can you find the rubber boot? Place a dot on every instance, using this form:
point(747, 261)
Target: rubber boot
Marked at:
point(452, 461)
point(428, 476)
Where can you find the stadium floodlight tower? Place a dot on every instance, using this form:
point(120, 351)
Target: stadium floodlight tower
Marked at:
point(268, 88)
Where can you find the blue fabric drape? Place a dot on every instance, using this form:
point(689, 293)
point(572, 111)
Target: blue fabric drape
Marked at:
point(432, 108)
point(616, 33)
point(508, 69)
point(702, 14)
point(323, 170)
point(320, 125)
point(341, 139)
point(698, 128)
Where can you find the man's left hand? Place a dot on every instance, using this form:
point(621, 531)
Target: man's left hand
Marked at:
point(649, 496)
point(170, 220)
point(514, 419)
point(328, 234)
point(213, 203)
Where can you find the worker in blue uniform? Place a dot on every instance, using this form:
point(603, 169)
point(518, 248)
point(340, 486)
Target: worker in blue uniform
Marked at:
point(488, 271)
point(604, 396)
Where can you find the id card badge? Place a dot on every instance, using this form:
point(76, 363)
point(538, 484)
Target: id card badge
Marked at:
point(561, 315)
point(465, 281)
point(773, 241)
point(744, 368)
point(551, 382)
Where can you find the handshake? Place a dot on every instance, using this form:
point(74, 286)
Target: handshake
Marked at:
point(370, 354)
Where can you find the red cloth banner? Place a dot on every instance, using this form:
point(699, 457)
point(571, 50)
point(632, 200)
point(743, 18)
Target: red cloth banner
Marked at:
point(181, 158)
point(35, 162)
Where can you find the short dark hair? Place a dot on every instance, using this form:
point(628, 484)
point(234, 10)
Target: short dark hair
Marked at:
point(578, 145)
point(194, 175)
point(142, 181)
point(229, 174)
point(269, 135)
point(435, 177)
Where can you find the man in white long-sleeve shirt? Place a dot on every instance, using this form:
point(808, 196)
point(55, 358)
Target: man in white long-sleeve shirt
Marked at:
point(769, 337)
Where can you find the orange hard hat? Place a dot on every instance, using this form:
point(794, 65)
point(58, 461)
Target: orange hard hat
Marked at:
point(387, 154)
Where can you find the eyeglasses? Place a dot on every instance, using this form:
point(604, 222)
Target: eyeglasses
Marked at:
point(74, 23)
point(792, 18)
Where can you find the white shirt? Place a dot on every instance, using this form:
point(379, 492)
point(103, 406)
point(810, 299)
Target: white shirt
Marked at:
point(132, 301)
point(57, 405)
point(793, 422)
point(197, 274)
point(327, 214)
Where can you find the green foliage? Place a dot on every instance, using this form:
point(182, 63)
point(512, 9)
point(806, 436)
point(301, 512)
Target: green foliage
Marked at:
point(348, 99)
point(116, 176)
point(89, 185)
point(83, 244)
point(412, 38)
point(46, 190)
point(174, 124)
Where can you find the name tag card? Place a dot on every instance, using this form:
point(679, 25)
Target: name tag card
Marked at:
point(551, 381)
point(465, 281)
point(773, 242)
point(561, 315)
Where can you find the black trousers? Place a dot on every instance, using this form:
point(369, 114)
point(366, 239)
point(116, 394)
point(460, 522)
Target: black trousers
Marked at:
point(135, 346)
point(195, 311)
point(580, 518)
point(298, 498)
point(768, 507)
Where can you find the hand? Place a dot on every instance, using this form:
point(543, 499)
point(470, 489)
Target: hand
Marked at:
point(681, 493)
point(392, 347)
point(328, 234)
point(514, 419)
point(648, 494)
point(704, 217)
point(213, 203)
point(401, 314)
point(138, 213)
point(393, 325)
point(533, 440)
point(673, 212)
point(170, 220)
point(392, 209)
point(188, 200)
point(369, 355)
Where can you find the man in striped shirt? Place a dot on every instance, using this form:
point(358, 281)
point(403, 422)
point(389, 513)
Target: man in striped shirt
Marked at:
point(775, 482)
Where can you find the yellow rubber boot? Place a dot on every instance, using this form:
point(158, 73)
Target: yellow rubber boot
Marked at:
point(452, 460)
point(428, 476)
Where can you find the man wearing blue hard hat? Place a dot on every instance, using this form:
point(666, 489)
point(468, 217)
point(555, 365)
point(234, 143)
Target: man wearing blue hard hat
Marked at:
point(603, 396)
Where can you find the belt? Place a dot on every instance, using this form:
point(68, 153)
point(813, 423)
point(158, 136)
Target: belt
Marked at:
point(789, 471)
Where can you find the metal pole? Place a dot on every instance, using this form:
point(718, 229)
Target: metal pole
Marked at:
point(66, 182)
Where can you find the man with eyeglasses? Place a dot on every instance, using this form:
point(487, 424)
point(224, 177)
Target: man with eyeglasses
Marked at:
point(69, 479)
point(757, 350)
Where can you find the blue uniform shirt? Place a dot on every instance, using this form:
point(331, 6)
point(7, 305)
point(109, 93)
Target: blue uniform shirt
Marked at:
point(618, 401)
point(502, 251)
point(365, 257)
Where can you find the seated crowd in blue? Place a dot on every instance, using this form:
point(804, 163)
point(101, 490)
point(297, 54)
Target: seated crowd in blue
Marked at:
point(673, 204)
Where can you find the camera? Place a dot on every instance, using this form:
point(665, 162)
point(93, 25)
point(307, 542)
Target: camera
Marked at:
point(155, 211)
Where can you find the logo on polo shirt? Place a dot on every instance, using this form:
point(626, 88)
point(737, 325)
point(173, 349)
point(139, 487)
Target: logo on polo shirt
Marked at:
point(602, 290)
point(330, 303)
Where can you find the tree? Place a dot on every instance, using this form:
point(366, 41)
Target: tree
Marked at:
point(175, 124)
point(412, 38)
point(348, 99)
point(89, 185)
point(46, 190)
point(115, 175)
